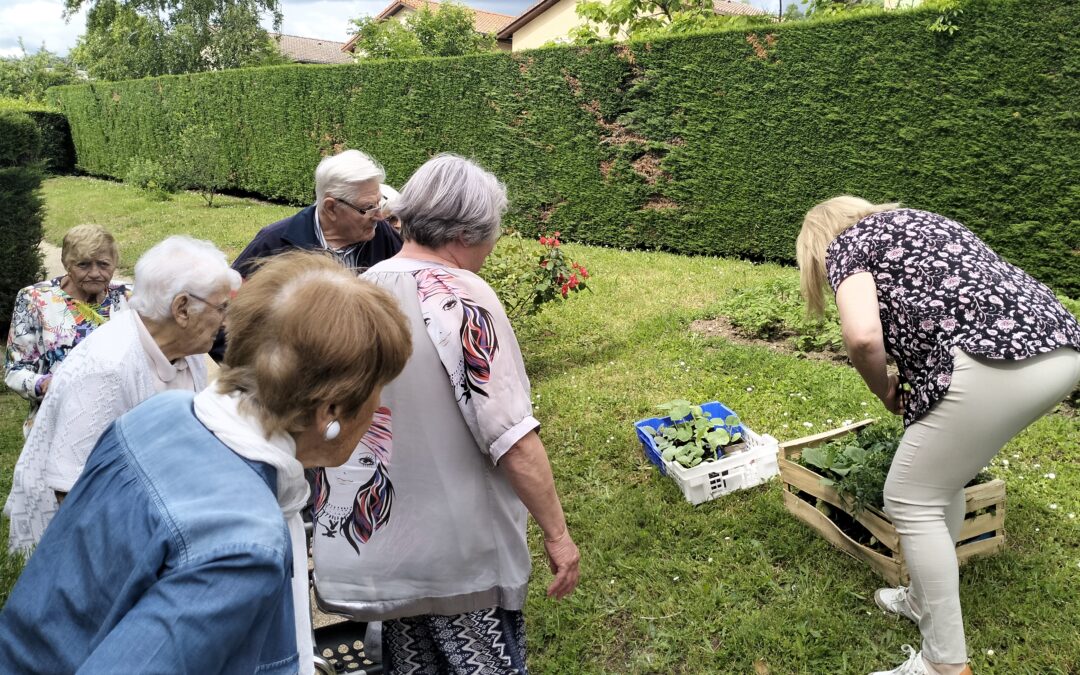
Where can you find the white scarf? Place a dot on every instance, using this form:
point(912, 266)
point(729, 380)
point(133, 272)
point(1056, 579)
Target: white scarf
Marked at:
point(243, 434)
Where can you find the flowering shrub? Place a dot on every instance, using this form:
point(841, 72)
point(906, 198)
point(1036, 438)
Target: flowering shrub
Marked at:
point(525, 278)
point(555, 276)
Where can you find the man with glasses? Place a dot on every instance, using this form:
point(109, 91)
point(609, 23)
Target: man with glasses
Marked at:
point(347, 219)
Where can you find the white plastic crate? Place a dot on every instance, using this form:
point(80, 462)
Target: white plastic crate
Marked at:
point(709, 480)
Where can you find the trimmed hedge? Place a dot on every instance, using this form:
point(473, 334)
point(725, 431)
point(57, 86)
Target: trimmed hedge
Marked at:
point(57, 150)
point(20, 228)
point(712, 143)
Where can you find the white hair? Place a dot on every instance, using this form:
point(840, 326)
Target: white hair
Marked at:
point(338, 175)
point(448, 198)
point(178, 265)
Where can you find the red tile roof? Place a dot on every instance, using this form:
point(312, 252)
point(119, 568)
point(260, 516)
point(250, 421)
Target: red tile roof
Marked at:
point(484, 22)
point(310, 50)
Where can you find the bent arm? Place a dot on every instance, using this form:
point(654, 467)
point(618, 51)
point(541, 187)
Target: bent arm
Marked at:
point(527, 466)
point(860, 325)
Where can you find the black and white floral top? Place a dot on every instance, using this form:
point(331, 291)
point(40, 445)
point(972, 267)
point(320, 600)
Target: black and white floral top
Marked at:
point(940, 287)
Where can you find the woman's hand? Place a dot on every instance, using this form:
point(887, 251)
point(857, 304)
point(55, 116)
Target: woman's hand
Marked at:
point(894, 396)
point(563, 558)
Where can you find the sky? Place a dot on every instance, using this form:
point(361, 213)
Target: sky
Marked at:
point(42, 21)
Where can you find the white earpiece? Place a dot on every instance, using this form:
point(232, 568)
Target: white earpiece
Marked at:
point(333, 428)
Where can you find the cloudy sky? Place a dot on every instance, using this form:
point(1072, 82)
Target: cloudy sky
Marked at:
point(42, 21)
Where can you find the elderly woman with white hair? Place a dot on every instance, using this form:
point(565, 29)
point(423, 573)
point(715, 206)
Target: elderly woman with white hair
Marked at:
point(424, 528)
point(985, 350)
point(181, 291)
point(181, 548)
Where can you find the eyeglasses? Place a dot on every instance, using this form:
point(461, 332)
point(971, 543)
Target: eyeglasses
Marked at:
point(222, 308)
point(363, 212)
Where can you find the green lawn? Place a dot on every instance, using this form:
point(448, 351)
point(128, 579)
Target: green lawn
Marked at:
point(734, 583)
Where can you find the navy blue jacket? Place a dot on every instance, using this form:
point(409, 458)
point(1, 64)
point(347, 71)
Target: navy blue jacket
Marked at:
point(298, 232)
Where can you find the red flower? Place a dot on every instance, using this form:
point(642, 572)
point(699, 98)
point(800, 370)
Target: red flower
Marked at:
point(574, 281)
point(561, 278)
point(565, 290)
point(584, 272)
point(558, 234)
point(544, 240)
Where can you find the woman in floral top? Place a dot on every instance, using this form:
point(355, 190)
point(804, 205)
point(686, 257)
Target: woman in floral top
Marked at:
point(984, 350)
point(53, 316)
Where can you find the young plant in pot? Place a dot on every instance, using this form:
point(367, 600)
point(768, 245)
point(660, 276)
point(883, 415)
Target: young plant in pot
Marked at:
point(694, 436)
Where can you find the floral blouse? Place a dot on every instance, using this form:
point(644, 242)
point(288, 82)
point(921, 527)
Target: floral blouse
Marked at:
point(45, 325)
point(940, 287)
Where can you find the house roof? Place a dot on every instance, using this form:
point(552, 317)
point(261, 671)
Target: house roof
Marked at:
point(311, 50)
point(730, 8)
point(484, 22)
point(722, 7)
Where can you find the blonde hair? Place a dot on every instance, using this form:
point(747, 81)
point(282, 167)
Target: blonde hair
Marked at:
point(83, 242)
point(304, 331)
point(821, 225)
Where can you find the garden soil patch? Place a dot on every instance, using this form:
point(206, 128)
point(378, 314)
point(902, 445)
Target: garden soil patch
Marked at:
point(720, 327)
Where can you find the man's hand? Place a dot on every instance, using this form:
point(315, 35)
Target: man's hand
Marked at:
point(563, 559)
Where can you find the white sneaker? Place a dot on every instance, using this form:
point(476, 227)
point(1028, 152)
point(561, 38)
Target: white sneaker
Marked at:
point(895, 601)
point(913, 666)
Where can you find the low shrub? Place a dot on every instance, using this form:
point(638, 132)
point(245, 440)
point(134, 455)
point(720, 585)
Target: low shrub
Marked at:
point(57, 150)
point(526, 276)
point(152, 177)
point(775, 311)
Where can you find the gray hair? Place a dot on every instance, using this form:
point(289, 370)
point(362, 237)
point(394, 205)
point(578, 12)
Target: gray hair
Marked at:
point(178, 265)
point(448, 198)
point(338, 175)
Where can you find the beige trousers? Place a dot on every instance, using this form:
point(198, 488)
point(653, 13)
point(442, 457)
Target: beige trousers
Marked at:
point(989, 402)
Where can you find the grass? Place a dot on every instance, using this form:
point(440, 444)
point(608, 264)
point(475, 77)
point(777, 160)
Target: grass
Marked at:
point(734, 585)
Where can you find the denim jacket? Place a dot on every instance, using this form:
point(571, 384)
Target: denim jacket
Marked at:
point(170, 555)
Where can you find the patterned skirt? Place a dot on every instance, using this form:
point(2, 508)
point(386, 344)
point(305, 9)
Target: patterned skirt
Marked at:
point(485, 642)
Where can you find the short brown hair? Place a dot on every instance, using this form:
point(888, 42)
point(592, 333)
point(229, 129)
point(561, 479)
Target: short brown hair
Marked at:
point(304, 331)
point(83, 242)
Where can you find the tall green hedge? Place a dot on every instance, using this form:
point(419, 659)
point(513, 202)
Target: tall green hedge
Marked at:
point(20, 226)
point(712, 143)
point(57, 150)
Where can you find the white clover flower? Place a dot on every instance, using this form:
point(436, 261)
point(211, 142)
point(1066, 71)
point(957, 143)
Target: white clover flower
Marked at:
point(1036, 466)
point(828, 421)
point(847, 422)
point(1072, 516)
point(989, 652)
point(785, 426)
point(749, 389)
point(710, 559)
point(1051, 476)
point(863, 403)
point(1005, 462)
point(675, 578)
point(808, 425)
point(1053, 507)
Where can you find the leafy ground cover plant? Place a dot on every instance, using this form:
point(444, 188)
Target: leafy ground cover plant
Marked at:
point(774, 311)
point(694, 436)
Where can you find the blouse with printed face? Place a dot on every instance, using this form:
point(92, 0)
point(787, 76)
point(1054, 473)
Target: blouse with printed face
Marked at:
point(940, 287)
point(45, 324)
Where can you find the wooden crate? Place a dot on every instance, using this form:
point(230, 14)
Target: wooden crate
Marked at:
point(802, 484)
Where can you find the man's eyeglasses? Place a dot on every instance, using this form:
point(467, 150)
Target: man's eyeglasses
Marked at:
point(222, 308)
point(363, 212)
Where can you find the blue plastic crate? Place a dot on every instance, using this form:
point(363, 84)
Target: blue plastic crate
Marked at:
point(716, 410)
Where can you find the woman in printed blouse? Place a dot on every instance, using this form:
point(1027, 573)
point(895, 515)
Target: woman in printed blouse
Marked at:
point(424, 527)
point(985, 349)
point(53, 316)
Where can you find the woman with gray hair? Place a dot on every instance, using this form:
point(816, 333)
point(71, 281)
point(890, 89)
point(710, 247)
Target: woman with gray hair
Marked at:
point(182, 288)
point(424, 527)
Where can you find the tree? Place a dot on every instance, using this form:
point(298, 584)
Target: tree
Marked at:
point(127, 39)
point(448, 31)
point(631, 19)
point(28, 76)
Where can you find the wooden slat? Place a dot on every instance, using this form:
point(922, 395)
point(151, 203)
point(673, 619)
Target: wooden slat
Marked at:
point(792, 448)
point(886, 567)
point(981, 496)
point(979, 548)
point(987, 522)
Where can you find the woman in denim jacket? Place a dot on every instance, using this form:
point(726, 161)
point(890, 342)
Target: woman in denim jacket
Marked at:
point(180, 549)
